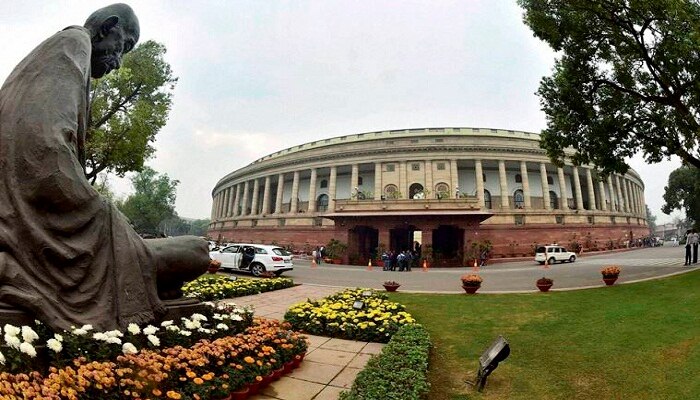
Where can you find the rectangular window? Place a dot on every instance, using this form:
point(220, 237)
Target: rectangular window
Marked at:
point(441, 166)
point(560, 219)
point(591, 220)
point(390, 167)
point(519, 219)
point(318, 221)
point(612, 219)
point(415, 166)
point(281, 222)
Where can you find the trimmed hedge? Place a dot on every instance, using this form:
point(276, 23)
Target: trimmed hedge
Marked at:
point(210, 287)
point(399, 372)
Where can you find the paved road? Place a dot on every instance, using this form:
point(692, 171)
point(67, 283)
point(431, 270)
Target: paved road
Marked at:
point(519, 276)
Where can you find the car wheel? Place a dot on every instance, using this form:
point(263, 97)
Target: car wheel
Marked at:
point(572, 258)
point(256, 269)
point(541, 262)
point(552, 260)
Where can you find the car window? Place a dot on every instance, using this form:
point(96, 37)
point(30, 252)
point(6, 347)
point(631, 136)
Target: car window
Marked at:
point(259, 250)
point(563, 250)
point(557, 250)
point(230, 249)
point(280, 251)
point(541, 249)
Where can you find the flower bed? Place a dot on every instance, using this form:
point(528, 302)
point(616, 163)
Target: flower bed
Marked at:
point(399, 372)
point(216, 287)
point(334, 316)
point(203, 369)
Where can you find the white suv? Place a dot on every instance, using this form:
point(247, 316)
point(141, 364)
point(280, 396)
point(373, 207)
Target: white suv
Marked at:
point(553, 253)
point(256, 258)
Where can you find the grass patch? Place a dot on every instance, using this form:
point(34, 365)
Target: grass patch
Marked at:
point(639, 341)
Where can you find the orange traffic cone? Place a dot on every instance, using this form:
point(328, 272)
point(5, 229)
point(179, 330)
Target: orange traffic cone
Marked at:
point(313, 263)
point(369, 265)
point(425, 265)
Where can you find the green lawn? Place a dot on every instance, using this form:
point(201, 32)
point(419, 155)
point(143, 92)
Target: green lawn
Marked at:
point(638, 341)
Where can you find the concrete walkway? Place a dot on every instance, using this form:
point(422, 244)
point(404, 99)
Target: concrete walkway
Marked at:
point(330, 365)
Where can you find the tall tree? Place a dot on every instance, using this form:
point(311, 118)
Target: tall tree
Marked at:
point(153, 200)
point(627, 79)
point(128, 108)
point(651, 221)
point(683, 193)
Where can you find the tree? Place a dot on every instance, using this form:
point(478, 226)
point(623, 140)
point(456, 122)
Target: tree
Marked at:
point(683, 193)
point(153, 200)
point(651, 221)
point(627, 79)
point(103, 187)
point(128, 107)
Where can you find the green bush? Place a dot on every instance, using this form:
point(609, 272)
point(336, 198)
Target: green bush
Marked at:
point(399, 372)
point(215, 287)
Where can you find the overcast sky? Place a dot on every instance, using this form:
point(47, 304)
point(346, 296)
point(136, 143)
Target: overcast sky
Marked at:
point(256, 77)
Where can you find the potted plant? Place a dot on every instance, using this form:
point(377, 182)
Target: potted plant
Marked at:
point(544, 284)
point(214, 266)
point(610, 274)
point(391, 286)
point(471, 283)
point(336, 249)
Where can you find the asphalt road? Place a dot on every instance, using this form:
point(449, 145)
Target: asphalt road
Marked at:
point(519, 276)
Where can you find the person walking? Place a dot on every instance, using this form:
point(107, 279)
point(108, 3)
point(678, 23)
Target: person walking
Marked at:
point(688, 255)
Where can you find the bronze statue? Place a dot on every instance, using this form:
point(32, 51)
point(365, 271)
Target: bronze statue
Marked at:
point(67, 255)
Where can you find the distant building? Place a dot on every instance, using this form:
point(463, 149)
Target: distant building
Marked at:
point(448, 187)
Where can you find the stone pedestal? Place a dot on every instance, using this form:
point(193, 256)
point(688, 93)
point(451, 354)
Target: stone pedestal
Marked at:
point(182, 307)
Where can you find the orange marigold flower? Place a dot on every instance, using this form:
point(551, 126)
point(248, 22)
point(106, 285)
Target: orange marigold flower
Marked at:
point(198, 381)
point(156, 392)
point(249, 359)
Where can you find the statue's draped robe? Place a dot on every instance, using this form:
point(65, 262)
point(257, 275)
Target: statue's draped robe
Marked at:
point(66, 254)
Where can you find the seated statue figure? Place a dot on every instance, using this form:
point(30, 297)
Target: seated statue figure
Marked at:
point(68, 257)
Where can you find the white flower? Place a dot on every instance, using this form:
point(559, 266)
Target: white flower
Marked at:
point(12, 341)
point(79, 332)
point(192, 324)
point(28, 334)
point(165, 324)
point(236, 317)
point(87, 327)
point(204, 330)
point(198, 317)
point(222, 327)
point(27, 349)
point(2, 359)
point(100, 336)
point(114, 333)
point(150, 330)
point(114, 340)
point(133, 329)
point(54, 345)
point(185, 333)
point(128, 348)
point(58, 337)
point(154, 340)
point(173, 328)
point(12, 330)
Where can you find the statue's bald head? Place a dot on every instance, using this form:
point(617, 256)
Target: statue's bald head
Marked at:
point(114, 31)
point(125, 15)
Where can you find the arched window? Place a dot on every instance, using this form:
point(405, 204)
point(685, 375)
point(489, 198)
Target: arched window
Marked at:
point(553, 200)
point(442, 191)
point(391, 192)
point(415, 191)
point(518, 178)
point(519, 199)
point(324, 184)
point(359, 181)
point(487, 199)
point(322, 203)
point(550, 180)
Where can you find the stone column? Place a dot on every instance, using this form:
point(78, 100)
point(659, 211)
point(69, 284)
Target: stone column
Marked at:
point(611, 190)
point(280, 194)
point(312, 191)
point(479, 183)
point(230, 201)
point(219, 201)
point(591, 194)
point(603, 198)
point(354, 174)
point(635, 196)
point(577, 185)
point(429, 179)
point(244, 206)
point(526, 185)
point(294, 205)
point(237, 200)
point(644, 203)
point(331, 189)
point(266, 197)
point(215, 207)
point(403, 186)
point(504, 184)
point(377, 181)
point(626, 194)
point(254, 201)
point(224, 203)
point(545, 187)
point(222, 196)
point(621, 198)
point(563, 196)
point(633, 199)
point(454, 177)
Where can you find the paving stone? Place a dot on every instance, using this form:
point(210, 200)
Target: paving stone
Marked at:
point(333, 357)
point(345, 378)
point(372, 348)
point(293, 389)
point(343, 345)
point(360, 360)
point(329, 393)
point(317, 341)
point(316, 372)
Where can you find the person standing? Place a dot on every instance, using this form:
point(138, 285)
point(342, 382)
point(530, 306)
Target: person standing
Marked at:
point(695, 238)
point(688, 254)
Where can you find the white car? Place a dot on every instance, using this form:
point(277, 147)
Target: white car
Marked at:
point(256, 258)
point(553, 253)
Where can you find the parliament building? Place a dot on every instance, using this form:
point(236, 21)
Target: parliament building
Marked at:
point(447, 188)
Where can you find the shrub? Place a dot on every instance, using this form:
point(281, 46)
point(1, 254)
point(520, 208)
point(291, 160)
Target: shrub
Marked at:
point(216, 287)
point(399, 372)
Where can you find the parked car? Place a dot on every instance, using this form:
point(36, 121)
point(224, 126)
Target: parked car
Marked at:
point(553, 253)
point(256, 258)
